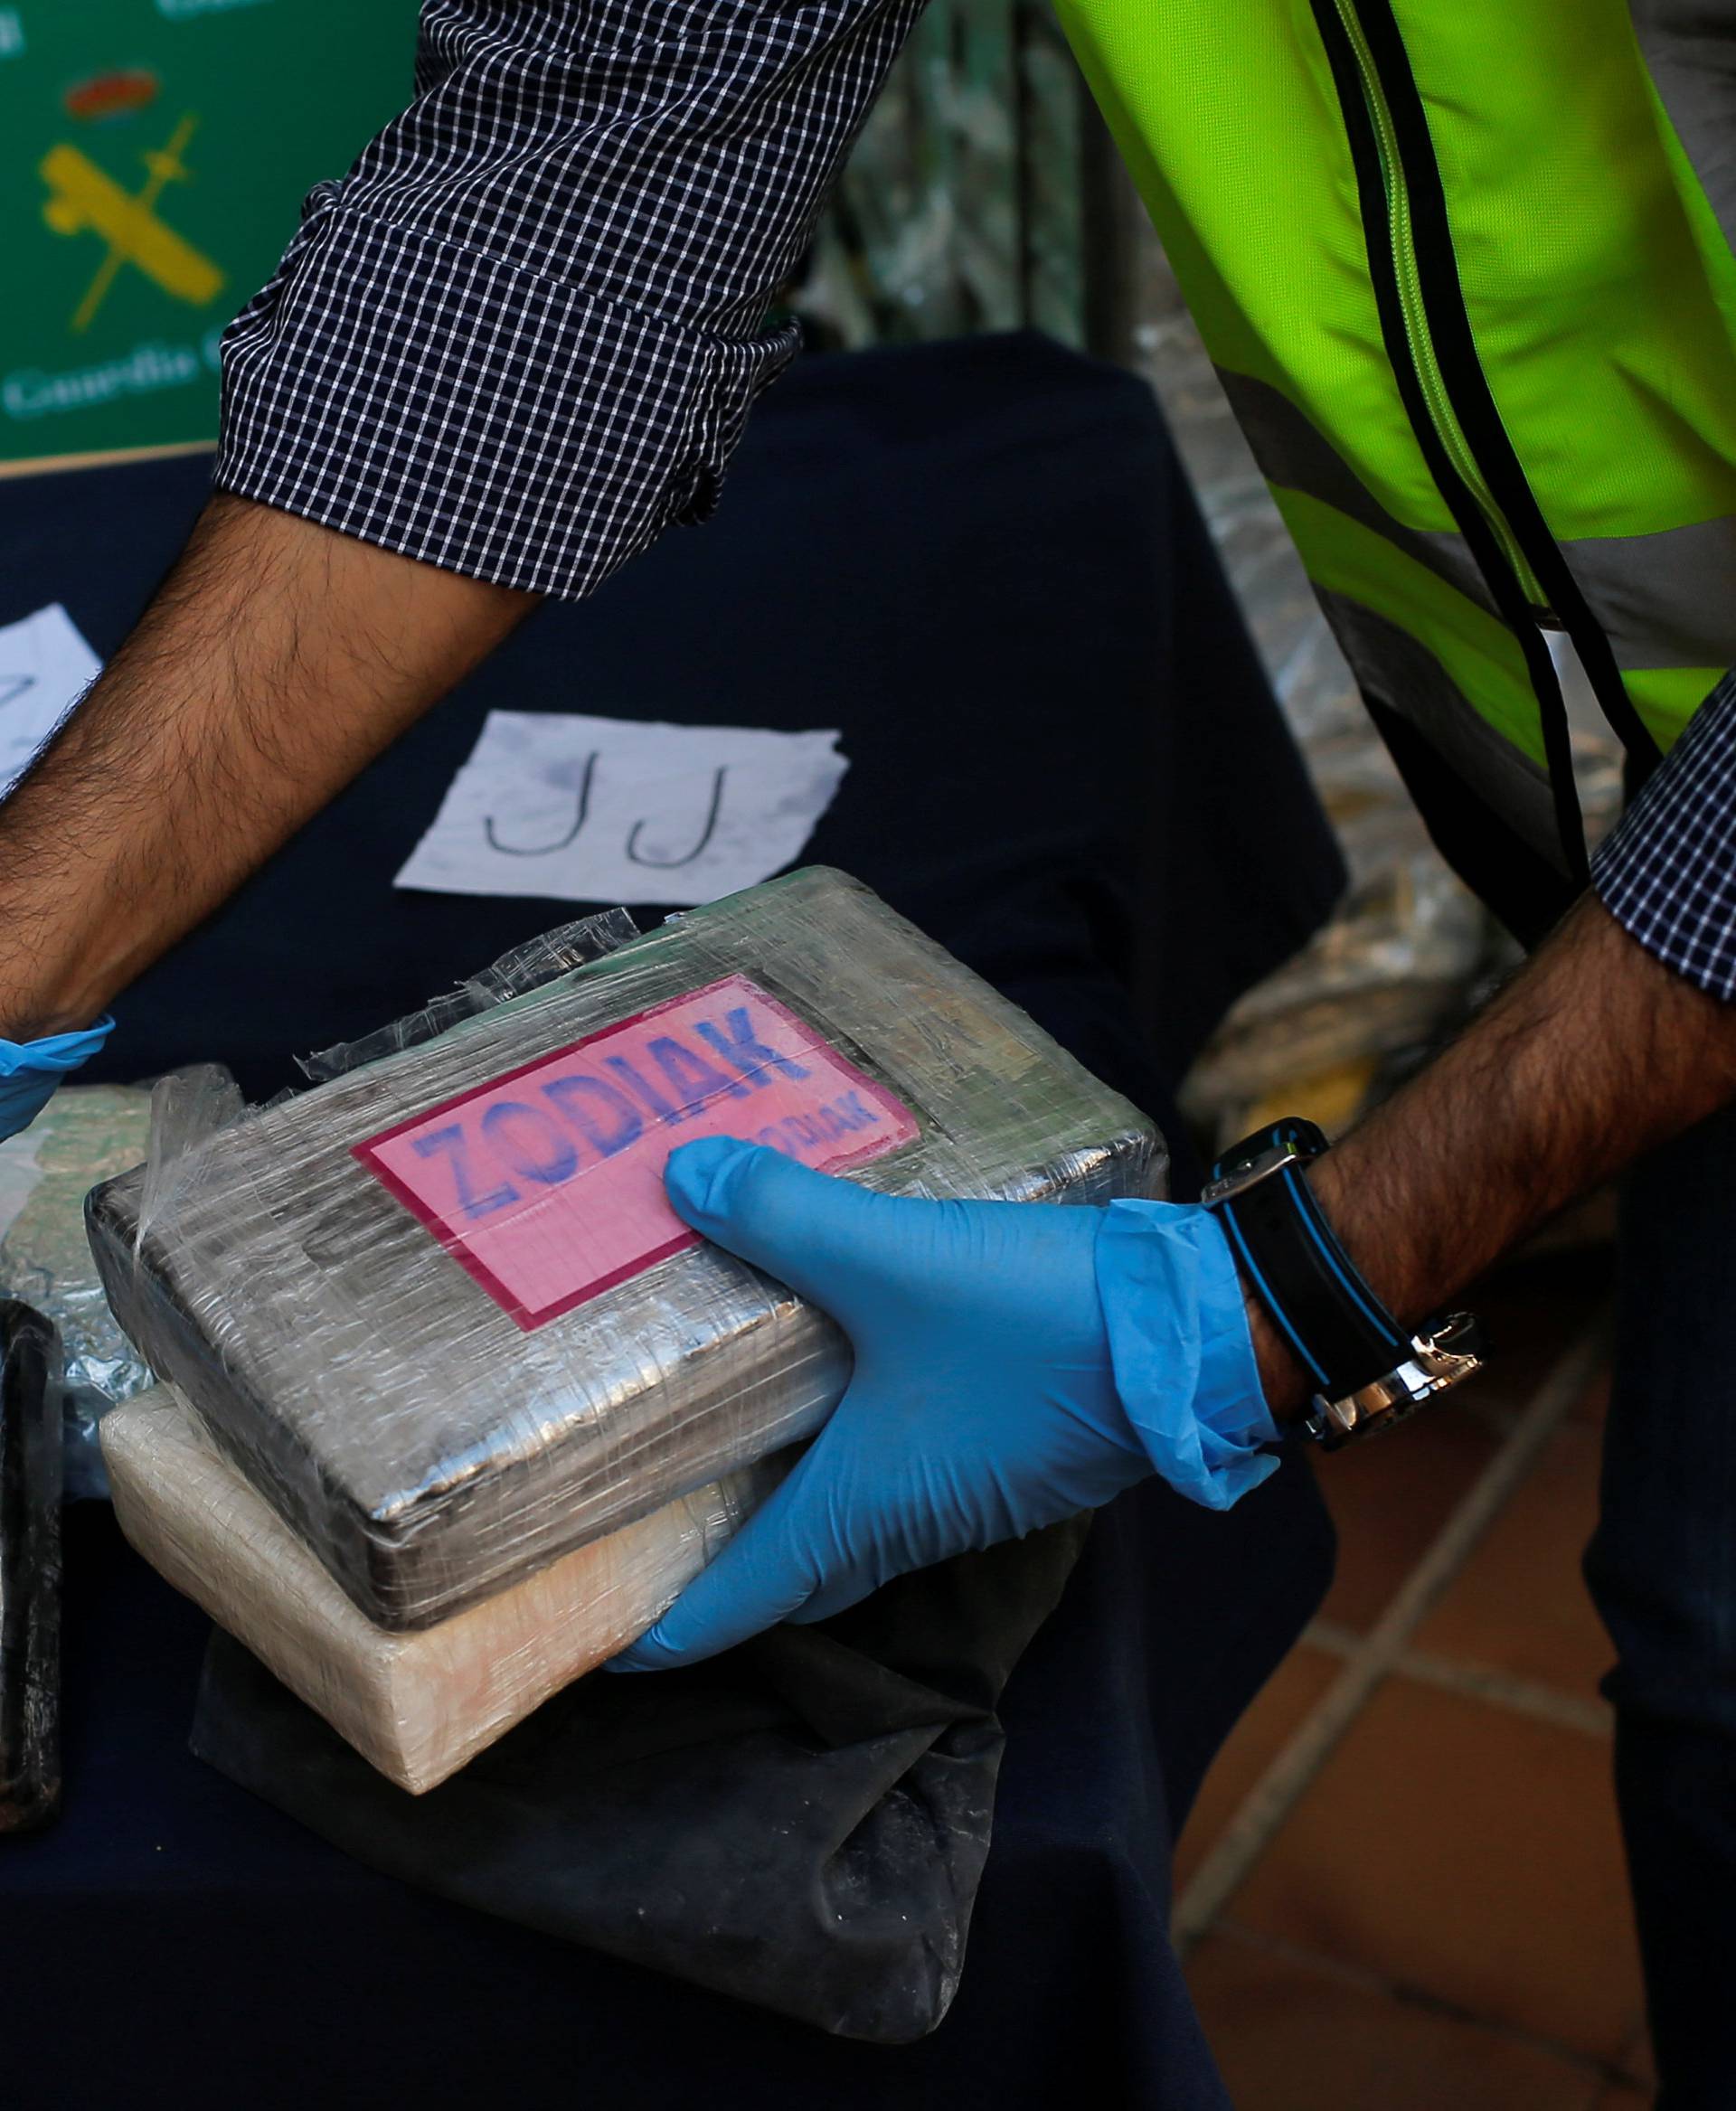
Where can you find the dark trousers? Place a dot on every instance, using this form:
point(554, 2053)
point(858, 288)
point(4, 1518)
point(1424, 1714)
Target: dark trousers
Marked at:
point(1663, 1570)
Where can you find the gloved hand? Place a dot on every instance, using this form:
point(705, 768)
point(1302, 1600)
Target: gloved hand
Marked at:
point(1015, 1363)
point(29, 1070)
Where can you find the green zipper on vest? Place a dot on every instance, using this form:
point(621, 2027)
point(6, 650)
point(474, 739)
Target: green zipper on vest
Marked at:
point(1409, 275)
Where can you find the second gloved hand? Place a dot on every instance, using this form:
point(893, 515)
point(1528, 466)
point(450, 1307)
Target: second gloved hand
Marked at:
point(1014, 1363)
point(30, 1070)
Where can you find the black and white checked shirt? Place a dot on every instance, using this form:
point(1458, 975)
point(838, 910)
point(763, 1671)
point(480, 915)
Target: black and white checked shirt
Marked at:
point(1667, 871)
point(522, 337)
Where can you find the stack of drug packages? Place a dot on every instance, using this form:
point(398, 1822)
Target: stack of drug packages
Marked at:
point(454, 1405)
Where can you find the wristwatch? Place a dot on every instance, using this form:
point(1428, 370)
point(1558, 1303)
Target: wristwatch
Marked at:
point(1366, 1372)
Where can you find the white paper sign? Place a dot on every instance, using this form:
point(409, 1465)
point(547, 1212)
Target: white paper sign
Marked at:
point(44, 667)
point(592, 809)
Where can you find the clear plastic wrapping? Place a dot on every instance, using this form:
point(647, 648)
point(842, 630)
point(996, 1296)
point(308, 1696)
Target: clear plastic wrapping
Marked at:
point(432, 1441)
point(417, 1706)
point(1408, 944)
point(86, 1133)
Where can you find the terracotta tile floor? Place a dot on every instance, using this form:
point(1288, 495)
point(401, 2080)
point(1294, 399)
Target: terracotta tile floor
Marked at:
point(1403, 1885)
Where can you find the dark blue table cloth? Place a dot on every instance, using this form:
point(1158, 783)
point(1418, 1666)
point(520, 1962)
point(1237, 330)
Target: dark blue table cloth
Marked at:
point(981, 563)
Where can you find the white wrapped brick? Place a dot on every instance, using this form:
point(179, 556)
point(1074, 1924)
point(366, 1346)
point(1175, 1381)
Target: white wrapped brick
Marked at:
point(415, 1706)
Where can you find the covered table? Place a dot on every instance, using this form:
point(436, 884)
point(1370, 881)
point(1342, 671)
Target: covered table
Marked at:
point(980, 562)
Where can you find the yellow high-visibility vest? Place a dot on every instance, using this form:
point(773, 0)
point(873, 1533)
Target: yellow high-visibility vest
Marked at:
point(1466, 268)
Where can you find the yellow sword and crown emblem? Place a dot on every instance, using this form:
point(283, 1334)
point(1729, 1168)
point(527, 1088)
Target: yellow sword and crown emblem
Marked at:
point(84, 199)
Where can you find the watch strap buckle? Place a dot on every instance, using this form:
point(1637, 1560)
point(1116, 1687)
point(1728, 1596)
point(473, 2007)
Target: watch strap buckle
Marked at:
point(1444, 1353)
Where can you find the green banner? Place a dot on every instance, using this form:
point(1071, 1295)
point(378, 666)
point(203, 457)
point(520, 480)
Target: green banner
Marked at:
point(153, 158)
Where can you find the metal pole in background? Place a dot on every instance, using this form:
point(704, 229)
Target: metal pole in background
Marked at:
point(1117, 243)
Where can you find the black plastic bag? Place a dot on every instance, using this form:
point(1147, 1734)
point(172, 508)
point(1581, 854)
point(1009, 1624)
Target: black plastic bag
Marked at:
point(801, 1823)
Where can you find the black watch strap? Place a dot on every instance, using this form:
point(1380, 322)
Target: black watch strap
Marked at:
point(1344, 1337)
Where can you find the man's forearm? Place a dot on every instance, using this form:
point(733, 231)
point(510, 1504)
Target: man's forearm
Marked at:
point(275, 662)
point(1591, 1054)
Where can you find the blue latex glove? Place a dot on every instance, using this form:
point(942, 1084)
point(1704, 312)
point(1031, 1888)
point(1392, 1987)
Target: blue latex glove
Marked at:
point(1014, 1363)
point(29, 1070)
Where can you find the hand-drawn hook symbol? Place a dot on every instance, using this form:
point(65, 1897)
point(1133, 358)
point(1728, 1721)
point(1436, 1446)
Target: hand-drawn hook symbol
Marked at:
point(12, 686)
point(669, 864)
point(543, 850)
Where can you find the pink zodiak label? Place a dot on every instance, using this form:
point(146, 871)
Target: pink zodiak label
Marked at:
point(547, 1183)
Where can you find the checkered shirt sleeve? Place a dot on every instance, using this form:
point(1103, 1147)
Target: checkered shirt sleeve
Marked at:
point(522, 335)
point(1667, 872)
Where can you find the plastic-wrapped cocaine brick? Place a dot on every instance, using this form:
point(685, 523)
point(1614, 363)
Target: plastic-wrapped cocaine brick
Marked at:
point(30, 1570)
point(446, 1372)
